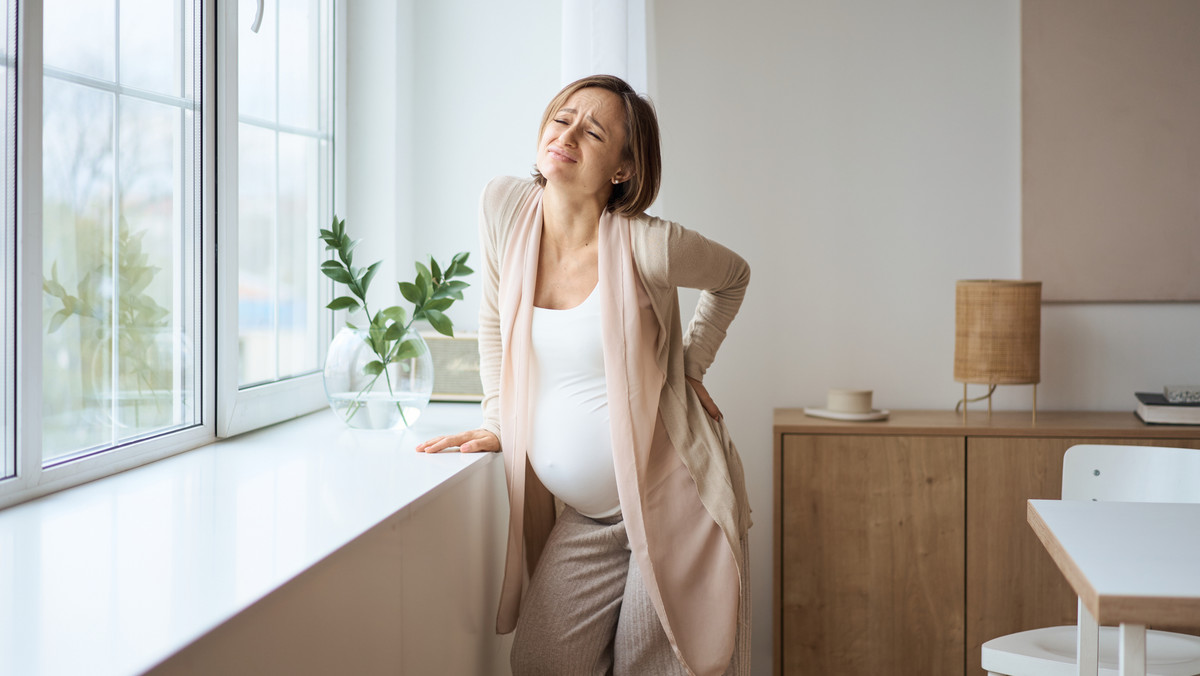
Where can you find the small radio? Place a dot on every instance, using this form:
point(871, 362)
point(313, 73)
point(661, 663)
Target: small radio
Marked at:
point(455, 367)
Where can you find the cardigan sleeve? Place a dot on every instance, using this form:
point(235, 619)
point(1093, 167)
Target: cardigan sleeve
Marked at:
point(489, 307)
point(696, 262)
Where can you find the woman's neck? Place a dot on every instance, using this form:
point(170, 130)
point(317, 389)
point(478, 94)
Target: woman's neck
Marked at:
point(571, 221)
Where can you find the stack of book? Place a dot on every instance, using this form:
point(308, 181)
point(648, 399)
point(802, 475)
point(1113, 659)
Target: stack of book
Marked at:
point(1176, 405)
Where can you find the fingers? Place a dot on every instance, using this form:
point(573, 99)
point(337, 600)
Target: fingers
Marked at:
point(439, 444)
point(474, 441)
point(710, 406)
point(484, 442)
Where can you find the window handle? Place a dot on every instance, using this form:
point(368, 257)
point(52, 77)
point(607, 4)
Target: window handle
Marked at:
point(258, 12)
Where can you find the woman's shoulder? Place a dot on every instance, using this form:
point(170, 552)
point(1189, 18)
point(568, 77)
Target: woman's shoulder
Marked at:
point(651, 234)
point(501, 202)
point(662, 247)
point(651, 238)
point(502, 191)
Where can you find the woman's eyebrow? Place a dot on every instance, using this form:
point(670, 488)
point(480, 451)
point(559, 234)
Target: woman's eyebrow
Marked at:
point(592, 119)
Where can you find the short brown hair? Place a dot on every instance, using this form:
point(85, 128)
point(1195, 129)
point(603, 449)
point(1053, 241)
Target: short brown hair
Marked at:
point(634, 196)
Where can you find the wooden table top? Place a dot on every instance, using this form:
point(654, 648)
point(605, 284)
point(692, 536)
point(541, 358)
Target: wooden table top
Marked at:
point(1075, 424)
point(1136, 562)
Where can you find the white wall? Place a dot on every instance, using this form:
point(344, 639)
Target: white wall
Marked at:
point(484, 73)
point(378, 92)
point(442, 96)
point(863, 156)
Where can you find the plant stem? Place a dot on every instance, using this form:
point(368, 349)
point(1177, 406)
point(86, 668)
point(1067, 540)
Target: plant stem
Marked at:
point(385, 360)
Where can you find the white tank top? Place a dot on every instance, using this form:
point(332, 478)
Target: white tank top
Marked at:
point(571, 447)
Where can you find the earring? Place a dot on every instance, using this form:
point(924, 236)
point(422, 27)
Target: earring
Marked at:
point(615, 181)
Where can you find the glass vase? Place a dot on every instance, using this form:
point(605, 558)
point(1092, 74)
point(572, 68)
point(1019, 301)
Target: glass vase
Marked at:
point(390, 399)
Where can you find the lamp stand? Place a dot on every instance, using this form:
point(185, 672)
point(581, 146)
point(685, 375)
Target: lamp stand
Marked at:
point(991, 390)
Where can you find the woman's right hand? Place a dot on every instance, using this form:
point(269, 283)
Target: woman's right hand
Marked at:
point(474, 441)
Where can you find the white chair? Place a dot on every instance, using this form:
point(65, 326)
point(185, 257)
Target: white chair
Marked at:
point(1119, 474)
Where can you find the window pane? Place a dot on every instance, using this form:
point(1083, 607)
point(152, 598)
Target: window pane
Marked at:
point(119, 223)
point(256, 60)
point(285, 187)
point(79, 36)
point(299, 253)
point(150, 32)
point(300, 49)
point(256, 254)
point(8, 191)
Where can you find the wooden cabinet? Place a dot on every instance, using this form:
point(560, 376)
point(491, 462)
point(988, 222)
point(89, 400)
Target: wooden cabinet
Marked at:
point(901, 546)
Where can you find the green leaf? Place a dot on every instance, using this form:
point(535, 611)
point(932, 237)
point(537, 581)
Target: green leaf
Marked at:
point(336, 271)
point(351, 326)
point(373, 368)
point(440, 322)
point(435, 269)
point(410, 292)
point(375, 339)
point(460, 258)
point(343, 303)
point(439, 304)
point(395, 313)
point(138, 283)
point(57, 320)
point(339, 227)
point(409, 349)
point(394, 332)
point(52, 287)
point(463, 271)
point(369, 275)
point(451, 290)
point(424, 288)
point(424, 273)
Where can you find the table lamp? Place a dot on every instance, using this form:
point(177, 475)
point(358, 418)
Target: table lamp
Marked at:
point(998, 331)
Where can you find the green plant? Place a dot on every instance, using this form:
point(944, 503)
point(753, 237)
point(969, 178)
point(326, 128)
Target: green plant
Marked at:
point(138, 315)
point(432, 292)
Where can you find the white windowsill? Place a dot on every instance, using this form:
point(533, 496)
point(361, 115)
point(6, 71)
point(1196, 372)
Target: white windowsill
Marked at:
point(112, 577)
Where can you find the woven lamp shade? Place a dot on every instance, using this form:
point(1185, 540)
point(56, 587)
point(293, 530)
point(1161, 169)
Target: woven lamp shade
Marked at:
point(998, 332)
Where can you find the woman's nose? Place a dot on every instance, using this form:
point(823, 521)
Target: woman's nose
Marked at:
point(568, 135)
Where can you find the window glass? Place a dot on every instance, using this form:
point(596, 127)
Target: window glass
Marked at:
point(121, 190)
point(285, 186)
point(144, 25)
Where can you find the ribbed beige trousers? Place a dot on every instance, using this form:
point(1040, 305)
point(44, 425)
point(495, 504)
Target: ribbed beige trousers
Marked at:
point(586, 611)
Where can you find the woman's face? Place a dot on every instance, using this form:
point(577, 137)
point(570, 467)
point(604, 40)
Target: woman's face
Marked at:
point(582, 147)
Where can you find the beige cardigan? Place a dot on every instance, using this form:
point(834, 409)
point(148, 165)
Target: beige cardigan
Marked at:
point(679, 477)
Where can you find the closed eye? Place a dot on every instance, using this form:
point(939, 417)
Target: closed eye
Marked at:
point(594, 135)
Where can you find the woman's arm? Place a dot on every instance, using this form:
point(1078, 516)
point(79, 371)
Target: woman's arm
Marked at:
point(696, 262)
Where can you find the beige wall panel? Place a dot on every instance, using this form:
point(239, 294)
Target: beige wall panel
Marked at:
point(1111, 149)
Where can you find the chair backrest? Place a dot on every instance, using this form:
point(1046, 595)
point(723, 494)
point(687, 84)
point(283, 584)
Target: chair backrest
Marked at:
point(1131, 474)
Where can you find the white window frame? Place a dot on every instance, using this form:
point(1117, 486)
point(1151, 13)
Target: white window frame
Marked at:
point(241, 409)
point(34, 480)
point(224, 409)
point(8, 323)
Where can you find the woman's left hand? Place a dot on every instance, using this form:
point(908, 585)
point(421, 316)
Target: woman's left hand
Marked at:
point(709, 405)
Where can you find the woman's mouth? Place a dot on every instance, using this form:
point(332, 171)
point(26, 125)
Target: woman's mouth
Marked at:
point(560, 155)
